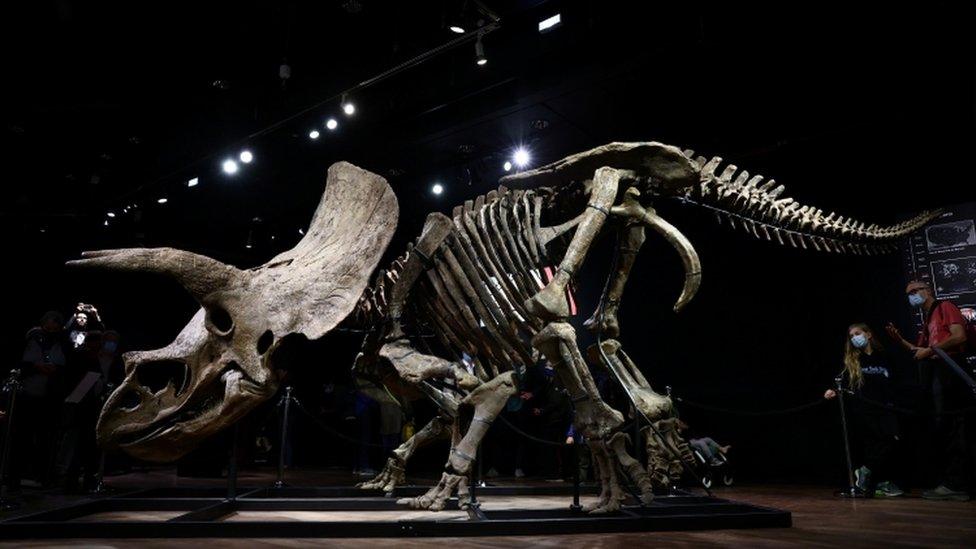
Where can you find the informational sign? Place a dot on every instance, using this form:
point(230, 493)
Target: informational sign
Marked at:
point(943, 254)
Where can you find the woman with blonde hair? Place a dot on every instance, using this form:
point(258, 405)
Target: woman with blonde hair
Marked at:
point(869, 373)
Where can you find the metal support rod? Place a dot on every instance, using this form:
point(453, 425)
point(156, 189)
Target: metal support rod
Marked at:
point(286, 401)
point(474, 478)
point(232, 465)
point(852, 490)
point(481, 470)
point(11, 386)
point(636, 441)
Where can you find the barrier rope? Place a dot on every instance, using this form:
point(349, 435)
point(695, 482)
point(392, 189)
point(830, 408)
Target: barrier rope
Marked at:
point(331, 430)
point(908, 411)
point(533, 438)
point(751, 413)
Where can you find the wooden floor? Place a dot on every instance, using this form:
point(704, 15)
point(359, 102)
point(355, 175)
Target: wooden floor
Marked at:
point(819, 518)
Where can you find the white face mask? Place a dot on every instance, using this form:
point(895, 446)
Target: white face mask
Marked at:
point(916, 299)
point(860, 341)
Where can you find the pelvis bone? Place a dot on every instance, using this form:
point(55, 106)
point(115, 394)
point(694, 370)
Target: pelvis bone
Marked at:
point(220, 365)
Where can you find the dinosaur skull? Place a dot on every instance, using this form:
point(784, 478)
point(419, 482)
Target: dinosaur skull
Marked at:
point(178, 395)
point(220, 366)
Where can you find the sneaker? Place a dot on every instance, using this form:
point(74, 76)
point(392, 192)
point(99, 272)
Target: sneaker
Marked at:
point(888, 489)
point(944, 493)
point(863, 476)
point(519, 473)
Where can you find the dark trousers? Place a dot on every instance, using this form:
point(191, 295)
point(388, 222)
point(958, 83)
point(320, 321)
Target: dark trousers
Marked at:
point(878, 432)
point(35, 425)
point(952, 431)
point(76, 449)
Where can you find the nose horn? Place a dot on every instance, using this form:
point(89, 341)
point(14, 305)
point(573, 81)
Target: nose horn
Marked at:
point(199, 274)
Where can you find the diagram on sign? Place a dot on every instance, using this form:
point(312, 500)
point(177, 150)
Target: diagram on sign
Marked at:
point(954, 276)
point(951, 235)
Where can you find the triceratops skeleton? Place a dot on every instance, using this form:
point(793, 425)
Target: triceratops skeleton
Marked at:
point(490, 283)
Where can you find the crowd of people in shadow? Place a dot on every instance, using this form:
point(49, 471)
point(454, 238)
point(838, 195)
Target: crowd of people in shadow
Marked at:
point(53, 397)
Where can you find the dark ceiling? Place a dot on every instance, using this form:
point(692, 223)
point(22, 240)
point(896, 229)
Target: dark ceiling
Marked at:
point(112, 104)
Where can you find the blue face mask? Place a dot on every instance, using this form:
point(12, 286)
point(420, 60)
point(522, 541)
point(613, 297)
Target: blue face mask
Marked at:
point(860, 341)
point(915, 300)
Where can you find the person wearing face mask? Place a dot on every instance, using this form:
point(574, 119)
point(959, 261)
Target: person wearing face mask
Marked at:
point(944, 328)
point(870, 373)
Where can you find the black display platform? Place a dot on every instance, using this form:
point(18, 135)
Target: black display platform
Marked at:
point(201, 512)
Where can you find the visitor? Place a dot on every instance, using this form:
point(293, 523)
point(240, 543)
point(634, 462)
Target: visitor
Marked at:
point(711, 451)
point(43, 369)
point(869, 372)
point(944, 329)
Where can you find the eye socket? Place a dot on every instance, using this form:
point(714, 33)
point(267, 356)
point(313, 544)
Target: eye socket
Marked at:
point(265, 341)
point(220, 319)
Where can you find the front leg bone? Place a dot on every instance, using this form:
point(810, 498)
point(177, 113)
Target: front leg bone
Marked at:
point(550, 303)
point(604, 319)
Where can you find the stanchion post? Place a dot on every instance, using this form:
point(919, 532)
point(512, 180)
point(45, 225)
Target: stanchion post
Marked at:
point(232, 465)
point(575, 506)
point(11, 386)
point(100, 475)
point(286, 401)
point(852, 489)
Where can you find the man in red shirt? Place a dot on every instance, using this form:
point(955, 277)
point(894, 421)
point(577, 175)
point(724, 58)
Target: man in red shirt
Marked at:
point(945, 328)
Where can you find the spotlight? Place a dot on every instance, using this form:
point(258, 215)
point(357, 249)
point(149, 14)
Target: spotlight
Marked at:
point(110, 214)
point(162, 200)
point(479, 53)
point(348, 108)
point(456, 29)
point(246, 157)
point(332, 123)
point(437, 188)
point(193, 182)
point(229, 167)
point(314, 134)
point(550, 23)
point(507, 165)
point(521, 157)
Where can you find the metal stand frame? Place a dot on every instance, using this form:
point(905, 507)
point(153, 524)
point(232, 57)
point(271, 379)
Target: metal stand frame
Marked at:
point(200, 513)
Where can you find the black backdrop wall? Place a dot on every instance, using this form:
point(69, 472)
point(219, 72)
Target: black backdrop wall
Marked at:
point(868, 113)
